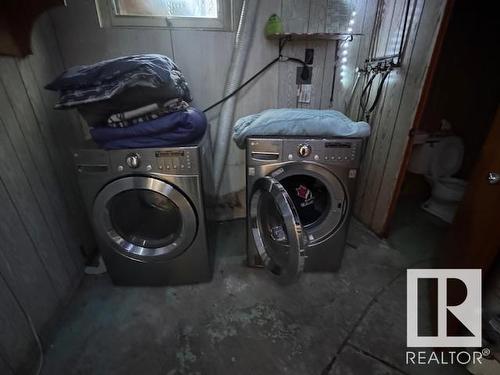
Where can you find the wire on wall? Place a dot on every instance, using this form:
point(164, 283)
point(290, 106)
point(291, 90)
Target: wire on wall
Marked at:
point(380, 66)
point(279, 58)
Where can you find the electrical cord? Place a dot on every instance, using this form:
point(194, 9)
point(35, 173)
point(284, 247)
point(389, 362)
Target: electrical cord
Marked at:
point(379, 91)
point(31, 325)
point(243, 85)
point(366, 93)
point(280, 58)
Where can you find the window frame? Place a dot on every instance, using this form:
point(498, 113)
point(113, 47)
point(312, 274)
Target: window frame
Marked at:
point(108, 17)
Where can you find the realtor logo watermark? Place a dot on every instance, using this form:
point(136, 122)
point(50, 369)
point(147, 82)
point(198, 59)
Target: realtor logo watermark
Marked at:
point(468, 313)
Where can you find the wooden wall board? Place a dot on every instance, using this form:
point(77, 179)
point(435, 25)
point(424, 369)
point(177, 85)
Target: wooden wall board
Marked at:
point(328, 67)
point(287, 86)
point(62, 131)
point(338, 15)
point(318, 10)
point(259, 95)
point(21, 265)
point(382, 119)
point(83, 41)
point(204, 58)
point(4, 367)
point(393, 119)
point(367, 19)
point(61, 162)
point(16, 339)
point(295, 15)
point(431, 16)
point(204, 64)
point(40, 253)
point(26, 136)
point(51, 250)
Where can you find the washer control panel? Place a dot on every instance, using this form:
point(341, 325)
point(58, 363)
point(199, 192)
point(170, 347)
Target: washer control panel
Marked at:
point(343, 151)
point(181, 160)
point(175, 160)
point(167, 160)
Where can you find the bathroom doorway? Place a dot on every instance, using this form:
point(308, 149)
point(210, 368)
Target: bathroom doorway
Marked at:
point(455, 124)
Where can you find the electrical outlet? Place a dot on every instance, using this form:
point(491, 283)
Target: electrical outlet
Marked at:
point(299, 80)
point(309, 56)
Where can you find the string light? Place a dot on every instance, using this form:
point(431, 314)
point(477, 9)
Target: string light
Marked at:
point(344, 53)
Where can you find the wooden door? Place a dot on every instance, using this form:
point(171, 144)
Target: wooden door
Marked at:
point(473, 240)
point(474, 237)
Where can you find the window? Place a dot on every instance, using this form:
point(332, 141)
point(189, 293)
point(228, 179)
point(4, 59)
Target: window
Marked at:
point(197, 14)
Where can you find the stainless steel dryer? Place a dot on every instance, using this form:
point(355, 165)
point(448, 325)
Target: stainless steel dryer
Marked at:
point(299, 199)
point(150, 209)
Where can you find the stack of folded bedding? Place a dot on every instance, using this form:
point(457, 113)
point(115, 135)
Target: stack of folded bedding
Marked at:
point(132, 101)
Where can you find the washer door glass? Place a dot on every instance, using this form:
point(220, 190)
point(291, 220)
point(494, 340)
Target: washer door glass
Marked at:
point(277, 230)
point(318, 195)
point(144, 218)
point(310, 197)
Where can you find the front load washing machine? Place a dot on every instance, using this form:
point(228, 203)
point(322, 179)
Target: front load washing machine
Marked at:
point(150, 209)
point(299, 197)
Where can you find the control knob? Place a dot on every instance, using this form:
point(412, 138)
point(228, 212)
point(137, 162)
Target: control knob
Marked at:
point(304, 150)
point(133, 160)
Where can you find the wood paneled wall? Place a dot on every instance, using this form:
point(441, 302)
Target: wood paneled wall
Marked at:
point(42, 222)
point(393, 118)
point(204, 57)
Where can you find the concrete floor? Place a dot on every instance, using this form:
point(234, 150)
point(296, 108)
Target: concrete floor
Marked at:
point(350, 322)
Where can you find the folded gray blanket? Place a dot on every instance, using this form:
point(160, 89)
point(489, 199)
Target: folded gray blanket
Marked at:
point(298, 122)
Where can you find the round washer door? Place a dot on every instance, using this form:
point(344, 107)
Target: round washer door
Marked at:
point(144, 218)
point(276, 230)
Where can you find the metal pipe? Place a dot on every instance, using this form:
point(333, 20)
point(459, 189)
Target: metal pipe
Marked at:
point(241, 47)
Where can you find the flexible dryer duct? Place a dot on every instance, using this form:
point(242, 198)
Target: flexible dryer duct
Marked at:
point(242, 41)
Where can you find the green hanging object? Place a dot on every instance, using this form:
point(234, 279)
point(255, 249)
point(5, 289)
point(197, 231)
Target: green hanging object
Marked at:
point(274, 25)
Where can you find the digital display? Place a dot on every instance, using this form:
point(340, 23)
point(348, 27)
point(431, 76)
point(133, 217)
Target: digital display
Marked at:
point(337, 145)
point(169, 153)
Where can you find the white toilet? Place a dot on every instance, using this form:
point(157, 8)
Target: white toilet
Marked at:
point(438, 158)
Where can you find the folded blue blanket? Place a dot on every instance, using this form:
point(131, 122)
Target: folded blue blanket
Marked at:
point(298, 122)
point(174, 129)
point(86, 84)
